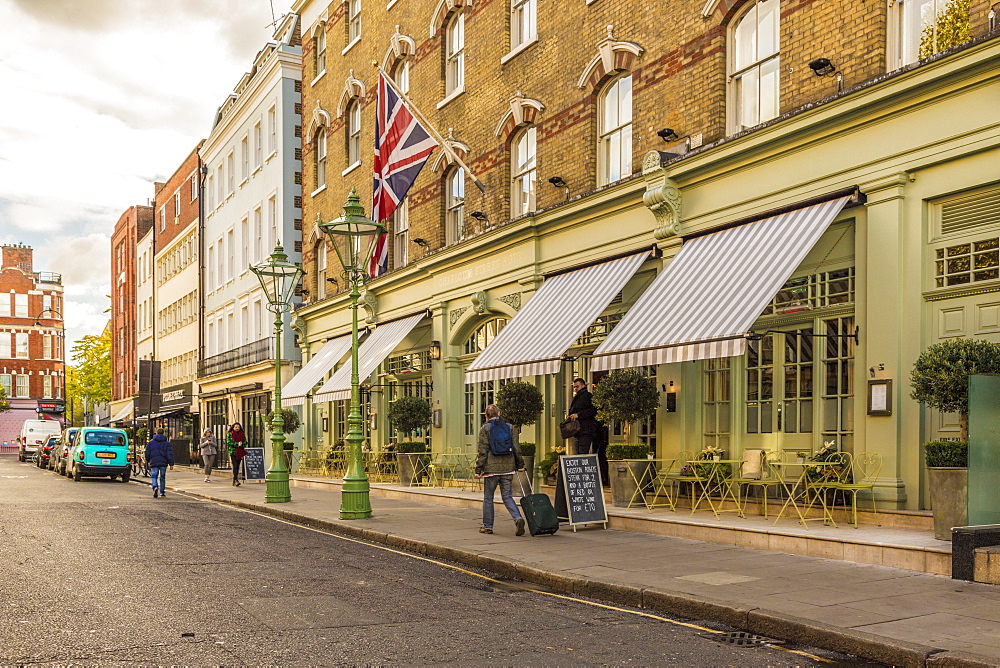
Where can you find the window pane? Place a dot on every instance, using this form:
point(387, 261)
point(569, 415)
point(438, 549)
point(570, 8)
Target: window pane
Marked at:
point(767, 35)
point(768, 90)
point(766, 418)
point(789, 419)
point(625, 155)
point(625, 100)
point(609, 119)
point(747, 95)
point(805, 416)
point(614, 145)
point(746, 40)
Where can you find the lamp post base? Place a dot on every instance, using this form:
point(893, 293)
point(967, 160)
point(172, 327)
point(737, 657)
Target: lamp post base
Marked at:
point(355, 501)
point(277, 488)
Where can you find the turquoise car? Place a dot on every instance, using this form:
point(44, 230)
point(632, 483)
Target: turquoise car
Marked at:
point(99, 452)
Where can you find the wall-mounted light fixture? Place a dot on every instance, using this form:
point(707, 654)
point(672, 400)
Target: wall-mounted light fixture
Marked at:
point(435, 350)
point(667, 134)
point(822, 67)
point(671, 390)
point(558, 182)
point(480, 216)
point(420, 242)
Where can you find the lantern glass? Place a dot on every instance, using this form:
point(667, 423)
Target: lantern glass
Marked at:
point(357, 232)
point(278, 277)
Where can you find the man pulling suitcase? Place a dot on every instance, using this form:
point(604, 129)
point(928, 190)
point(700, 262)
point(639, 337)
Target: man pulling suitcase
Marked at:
point(498, 461)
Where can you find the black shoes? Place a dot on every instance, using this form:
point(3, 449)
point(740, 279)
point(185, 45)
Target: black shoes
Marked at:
point(519, 523)
point(155, 493)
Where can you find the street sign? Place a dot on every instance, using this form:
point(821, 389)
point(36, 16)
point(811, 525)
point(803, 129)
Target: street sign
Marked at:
point(581, 477)
point(253, 464)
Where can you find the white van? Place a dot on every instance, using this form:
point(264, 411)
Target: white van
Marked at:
point(33, 434)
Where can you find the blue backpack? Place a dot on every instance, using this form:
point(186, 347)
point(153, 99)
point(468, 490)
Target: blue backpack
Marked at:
point(501, 442)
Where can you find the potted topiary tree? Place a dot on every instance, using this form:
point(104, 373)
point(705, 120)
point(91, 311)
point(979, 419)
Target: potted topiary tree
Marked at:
point(290, 425)
point(521, 404)
point(626, 396)
point(407, 415)
point(940, 379)
point(628, 468)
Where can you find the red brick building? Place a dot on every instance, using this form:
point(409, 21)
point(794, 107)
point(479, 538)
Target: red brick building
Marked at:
point(133, 224)
point(32, 346)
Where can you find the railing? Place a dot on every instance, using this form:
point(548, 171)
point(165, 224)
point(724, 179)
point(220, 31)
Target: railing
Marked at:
point(48, 277)
point(251, 353)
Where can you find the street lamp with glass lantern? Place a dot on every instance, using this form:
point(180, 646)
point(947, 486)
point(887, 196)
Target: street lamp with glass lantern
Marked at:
point(353, 237)
point(61, 343)
point(278, 277)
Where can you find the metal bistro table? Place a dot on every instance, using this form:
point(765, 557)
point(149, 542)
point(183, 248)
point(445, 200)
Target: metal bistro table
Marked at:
point(717, 481)
point(797, 491)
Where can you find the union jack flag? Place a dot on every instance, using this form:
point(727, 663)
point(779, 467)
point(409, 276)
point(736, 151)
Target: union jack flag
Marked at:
point(402, 146)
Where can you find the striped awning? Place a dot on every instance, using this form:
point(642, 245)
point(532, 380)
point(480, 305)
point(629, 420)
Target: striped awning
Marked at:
point(123, 413)
point(705, 300)
point(371, 353)
point(294, 392)
point(537, 338)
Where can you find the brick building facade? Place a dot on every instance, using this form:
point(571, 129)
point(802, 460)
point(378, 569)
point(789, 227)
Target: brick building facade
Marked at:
point(133, 224)
point(32, 345)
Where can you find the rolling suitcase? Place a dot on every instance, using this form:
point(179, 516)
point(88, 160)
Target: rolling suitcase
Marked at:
point(538, 513)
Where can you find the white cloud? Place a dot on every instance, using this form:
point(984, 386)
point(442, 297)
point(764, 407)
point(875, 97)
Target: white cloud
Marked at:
point(101, 99)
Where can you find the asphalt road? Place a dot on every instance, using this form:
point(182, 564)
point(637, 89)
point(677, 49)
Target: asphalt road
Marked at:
point(99, 572)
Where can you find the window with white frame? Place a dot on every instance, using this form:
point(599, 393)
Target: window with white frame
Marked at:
point(211, 268)
point(258, 145)
point(455, 54)
point(454, 205)
point(523, 172)
point(320, 271)
point(272, 130)
point(177, 203)
point(754, 66)
point(615, 141)
point(272, 215)
point(354, 133)
point(245, 258)
point(522, 22)
point(5, 349)
point(221, 191)
point(21, 345)
point(401, 234)
point(230, 255)
point(401, 75)
point(258, 235)
point(6, 382)
point(47, 346)
point(20, 306)
point(925, 27)
point(47, 386)
point(5, 304)
point(353, 20)
point(163, 217)
point(319, 50)
point(244, 158)
point(320, 179)
point(21, 389)
point(231, 169)
point(194, 187)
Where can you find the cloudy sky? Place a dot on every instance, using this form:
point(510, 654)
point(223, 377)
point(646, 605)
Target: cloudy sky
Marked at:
point(100, 99)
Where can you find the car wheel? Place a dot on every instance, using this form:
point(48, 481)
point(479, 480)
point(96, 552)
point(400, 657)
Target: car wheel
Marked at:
point(113, 478)
point(20, 457)
point(126, 476)
point(76, 475)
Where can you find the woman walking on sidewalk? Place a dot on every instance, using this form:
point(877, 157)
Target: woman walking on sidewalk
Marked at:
point(236, 442)
point(209, 449)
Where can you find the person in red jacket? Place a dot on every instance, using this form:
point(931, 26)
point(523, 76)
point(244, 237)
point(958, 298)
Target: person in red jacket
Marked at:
point(236, 442)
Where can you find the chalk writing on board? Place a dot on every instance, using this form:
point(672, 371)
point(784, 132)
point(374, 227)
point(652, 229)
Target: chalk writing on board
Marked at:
point(582, 484)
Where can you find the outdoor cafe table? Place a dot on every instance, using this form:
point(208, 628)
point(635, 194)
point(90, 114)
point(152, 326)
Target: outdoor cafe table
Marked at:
point(718, 481)
point(798, 490)
point(650, 483)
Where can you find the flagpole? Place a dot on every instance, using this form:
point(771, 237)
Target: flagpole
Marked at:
point(430, 128)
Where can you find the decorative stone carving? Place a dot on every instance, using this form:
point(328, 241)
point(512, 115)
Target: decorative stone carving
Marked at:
point(661, 197)
point(443, 158)
point(369, 303)
point(479, 303)
point(612, 56)
point(298, 325)
point(513, 301)
point(456, 313)
point(353, 88)
point(521, 110)
point(320, 119)
point(400, 46)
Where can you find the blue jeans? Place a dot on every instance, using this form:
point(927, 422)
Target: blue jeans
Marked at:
point(159, 476)
point(489, 489)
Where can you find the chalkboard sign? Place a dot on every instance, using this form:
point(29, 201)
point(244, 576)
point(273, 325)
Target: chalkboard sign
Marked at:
point(581, 475)
point(253, 464)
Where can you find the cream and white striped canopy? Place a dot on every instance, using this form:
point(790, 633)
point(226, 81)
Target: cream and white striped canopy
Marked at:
point(535, 340)
point(294, 392)
point(708, 296)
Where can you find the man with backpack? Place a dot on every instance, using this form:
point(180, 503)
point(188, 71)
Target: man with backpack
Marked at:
point(498, 461)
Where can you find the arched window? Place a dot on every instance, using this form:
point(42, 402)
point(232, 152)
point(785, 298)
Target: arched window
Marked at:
point(354, 133)
point(319, 50)
point(615, 122)
point(401, 75)
point(523, 172)
point(755, 63)
point(454, 200)
point(485, 333)
point(455, 54)
point(320, 159)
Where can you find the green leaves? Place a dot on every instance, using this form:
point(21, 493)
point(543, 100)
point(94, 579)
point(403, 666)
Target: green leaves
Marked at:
point(290, 418)
point(940, 376)
point(407, 414)
point(520, 403)
point(4, 404)
point(625, 395)
point(90, 379)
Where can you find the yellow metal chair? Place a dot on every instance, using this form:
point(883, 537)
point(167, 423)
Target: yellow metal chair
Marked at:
point(755, 472)
point(819, 479)
point(864, 470)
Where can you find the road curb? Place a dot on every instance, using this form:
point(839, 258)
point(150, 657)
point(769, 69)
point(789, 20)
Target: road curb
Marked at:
point(759, 621)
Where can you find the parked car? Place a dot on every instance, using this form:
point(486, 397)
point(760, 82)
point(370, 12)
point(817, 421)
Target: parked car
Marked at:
point(58, 457)
point(33, 434)
point(98, 452)
point(44, 452)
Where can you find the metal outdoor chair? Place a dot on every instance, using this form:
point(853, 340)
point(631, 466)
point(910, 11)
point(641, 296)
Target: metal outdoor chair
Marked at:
point(864, 470)
point(762, 479)
point(819, 480)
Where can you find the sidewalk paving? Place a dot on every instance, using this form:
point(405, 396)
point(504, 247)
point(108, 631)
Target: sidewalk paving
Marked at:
point(887, 614)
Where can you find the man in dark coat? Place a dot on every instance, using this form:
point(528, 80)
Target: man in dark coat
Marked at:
point(582, 410)
point(159, 455)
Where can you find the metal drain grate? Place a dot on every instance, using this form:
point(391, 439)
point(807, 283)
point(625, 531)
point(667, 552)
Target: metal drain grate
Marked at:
point(741, 638)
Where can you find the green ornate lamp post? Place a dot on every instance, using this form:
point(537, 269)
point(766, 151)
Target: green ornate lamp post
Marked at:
point(353, 237)
point(278, 277)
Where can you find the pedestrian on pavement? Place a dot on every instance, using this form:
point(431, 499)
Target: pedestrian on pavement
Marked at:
point(209, 449)
point(159, 455)
point(236, 442)
point(582, 410)
point(498, 461)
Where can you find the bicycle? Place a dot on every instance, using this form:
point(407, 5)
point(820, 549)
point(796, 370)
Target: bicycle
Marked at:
point(139, 465)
